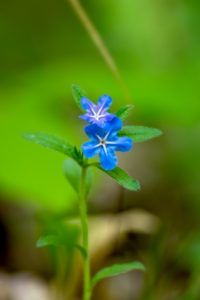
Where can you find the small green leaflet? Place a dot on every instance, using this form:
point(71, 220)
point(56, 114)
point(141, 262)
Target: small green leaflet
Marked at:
point(121, 177)
point(78, 93)
point(53, 240)
point(59, 234)
point(124, 111)
point(88, 180)
point(48, 240)
point(116, 270)
point(140, 133)
point(82, 250)
point(56, 143)
point(72, 172)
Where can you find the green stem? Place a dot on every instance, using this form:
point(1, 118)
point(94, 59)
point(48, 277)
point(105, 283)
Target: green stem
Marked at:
point(85, 242)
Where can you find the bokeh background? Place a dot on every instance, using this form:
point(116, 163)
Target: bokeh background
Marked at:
point(44, 49)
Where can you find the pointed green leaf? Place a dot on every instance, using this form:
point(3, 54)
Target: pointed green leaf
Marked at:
point(50, 141)
point(60, 234)
point(48, 240)
point(82, 250)
point(55, 143)
point(88, 180)
point(124, 111)
point(140, 133)
point(72, 172)
point(121, 177)
point(78, 93)
point(116, 270)
point(78, 156)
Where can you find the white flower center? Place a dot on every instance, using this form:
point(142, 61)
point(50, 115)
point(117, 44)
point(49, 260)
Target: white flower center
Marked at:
point(103, 142)
point(97, 115)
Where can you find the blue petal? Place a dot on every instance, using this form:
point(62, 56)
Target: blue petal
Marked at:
point(87, 104)
point(108, 158)
point(90, 149)
point(114, 125)
point(99, 123)
point(86, 117)
point(93, 130)
point(122, 144)
point(104, 103)
point(110, 129)
point(108, 117)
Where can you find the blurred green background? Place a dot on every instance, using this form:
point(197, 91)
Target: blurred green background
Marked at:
point(156, 46)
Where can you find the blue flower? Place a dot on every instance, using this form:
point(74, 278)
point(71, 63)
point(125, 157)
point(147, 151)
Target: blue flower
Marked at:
point(97, 114)
point(104, 142)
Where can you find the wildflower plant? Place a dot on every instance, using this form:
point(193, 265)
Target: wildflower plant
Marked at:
point(107, 135)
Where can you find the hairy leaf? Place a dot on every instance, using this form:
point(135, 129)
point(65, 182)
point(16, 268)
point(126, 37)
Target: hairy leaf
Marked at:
point(140, 133)
point(82, 250)
point(48, 240)
point(124, 111)
point(88, 180)
point(121, 177)
point(55, 143)
point(78, 93)
point(116, 270)
point(59, 234)
point(72, 172)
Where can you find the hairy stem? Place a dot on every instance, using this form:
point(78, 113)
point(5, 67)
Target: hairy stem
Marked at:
point(85, 241)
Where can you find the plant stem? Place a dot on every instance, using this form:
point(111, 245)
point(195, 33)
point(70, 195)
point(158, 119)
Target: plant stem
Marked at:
point(85, 241)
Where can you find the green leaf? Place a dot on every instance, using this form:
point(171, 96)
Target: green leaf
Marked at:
point(78, 156)
point(59, 234)
point(124, 111)
point(48, 240)
point(82, 250)
point(116, 270)
point(78, 93)
point(72, 172)
point(56, 143)
point(121, 177)
point(88, 180)
point(140, 133)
